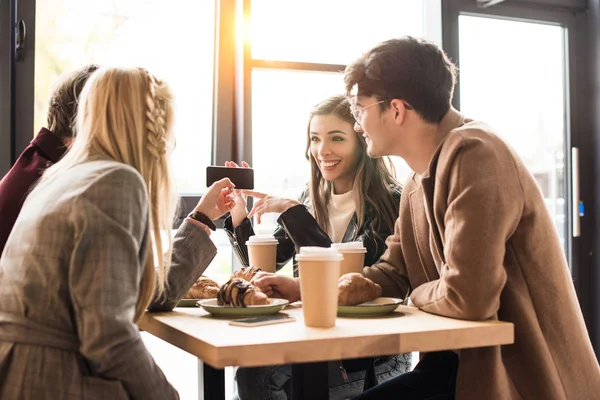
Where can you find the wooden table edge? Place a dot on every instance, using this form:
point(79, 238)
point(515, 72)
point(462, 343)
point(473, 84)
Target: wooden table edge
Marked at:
point(223, 356)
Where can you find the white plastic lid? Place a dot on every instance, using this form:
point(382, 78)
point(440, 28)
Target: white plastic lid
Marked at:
point(313, 253)
point(261, 239)
point(350, 247)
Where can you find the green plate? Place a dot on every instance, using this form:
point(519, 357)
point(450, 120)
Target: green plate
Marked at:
point(216, 310)
point(188, 303)
point(374, 308)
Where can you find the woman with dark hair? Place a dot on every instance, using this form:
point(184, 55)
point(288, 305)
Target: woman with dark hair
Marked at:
point(350, 197)
point(45, 149)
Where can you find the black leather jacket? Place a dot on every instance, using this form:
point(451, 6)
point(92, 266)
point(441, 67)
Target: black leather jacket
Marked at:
point(297, 227)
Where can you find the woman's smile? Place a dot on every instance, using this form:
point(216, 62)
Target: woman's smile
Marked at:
point(329, 165)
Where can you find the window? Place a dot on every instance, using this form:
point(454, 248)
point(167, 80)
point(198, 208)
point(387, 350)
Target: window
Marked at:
point(298, 54)
point(328, 32)
point(133, 33)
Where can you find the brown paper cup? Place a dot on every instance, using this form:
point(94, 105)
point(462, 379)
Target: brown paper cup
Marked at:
point(353, 262)
point(263, 256)
point(319, 272)
point(354, 257)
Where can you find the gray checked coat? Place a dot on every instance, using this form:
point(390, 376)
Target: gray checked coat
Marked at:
point(69, 279)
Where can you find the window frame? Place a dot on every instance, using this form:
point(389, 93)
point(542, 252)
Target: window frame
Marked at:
point(24, 79)
point(16, 81)
point(6, 85)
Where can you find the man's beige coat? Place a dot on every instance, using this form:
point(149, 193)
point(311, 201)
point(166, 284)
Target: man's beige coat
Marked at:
point(475, 241)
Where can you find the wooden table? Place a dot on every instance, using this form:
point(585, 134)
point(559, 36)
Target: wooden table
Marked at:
point(219, 344)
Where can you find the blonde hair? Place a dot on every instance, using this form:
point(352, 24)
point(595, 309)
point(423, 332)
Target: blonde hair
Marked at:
point(126, 115)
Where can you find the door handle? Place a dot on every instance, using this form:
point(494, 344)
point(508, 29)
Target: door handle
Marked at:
point(576, 200)
point(21, 33)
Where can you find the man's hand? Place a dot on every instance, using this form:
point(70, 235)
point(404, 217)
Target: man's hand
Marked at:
point(278, 286)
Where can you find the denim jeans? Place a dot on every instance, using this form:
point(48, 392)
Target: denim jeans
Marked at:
point(275, 382)
point(434, 378)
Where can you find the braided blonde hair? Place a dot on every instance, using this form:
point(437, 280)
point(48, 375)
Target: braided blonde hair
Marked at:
point(156, 111)
point(159, 120)
point(126, 115)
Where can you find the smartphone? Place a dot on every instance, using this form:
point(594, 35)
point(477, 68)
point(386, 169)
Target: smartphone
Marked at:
point(242, 178)
point(263, 320)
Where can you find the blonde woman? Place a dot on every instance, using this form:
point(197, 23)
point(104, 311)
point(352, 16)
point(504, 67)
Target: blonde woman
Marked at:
point(78, 270)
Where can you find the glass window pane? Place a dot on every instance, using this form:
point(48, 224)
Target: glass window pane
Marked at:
point(221, 267)
point(144, 33)
point(329, 32)
point(514, 80)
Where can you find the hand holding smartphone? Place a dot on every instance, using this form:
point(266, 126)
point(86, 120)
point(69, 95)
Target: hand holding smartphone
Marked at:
point(242, 178)
point(263, 320)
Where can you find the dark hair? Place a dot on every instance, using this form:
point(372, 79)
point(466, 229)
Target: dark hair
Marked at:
point(374, 179)
point(412, 69)
point(63, 101)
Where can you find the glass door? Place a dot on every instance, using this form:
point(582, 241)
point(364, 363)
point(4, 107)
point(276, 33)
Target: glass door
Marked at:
point(526, 68)
point(516, 73)
point(514, 80)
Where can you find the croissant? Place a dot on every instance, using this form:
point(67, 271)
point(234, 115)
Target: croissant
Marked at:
point(203, 288)
point(354, 288)
point(246, 273)
point(238, 292)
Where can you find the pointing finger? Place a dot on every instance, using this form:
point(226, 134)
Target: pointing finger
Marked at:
point(252, 193)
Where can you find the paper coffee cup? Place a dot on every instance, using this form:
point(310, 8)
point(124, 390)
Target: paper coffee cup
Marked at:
point(262, 252)
point(354, 256)
point(319, 269)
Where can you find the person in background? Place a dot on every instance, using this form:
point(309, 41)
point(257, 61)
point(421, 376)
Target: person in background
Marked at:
point(350, 197)
point(86, 259)
point(44, 150)
point(474, 238)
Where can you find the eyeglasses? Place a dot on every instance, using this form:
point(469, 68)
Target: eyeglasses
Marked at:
point(358, 111)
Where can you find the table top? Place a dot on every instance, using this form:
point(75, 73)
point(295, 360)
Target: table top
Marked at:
point(407, 329)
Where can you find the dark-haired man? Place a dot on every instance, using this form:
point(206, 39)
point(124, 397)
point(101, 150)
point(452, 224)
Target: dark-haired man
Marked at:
point(474, 239)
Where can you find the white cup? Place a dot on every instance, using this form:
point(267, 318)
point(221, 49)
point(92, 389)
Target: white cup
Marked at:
point(354, 256)
point(319, 269)
point(262, 252)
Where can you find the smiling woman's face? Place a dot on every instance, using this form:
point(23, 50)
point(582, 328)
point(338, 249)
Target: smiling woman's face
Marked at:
point(335, 149)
